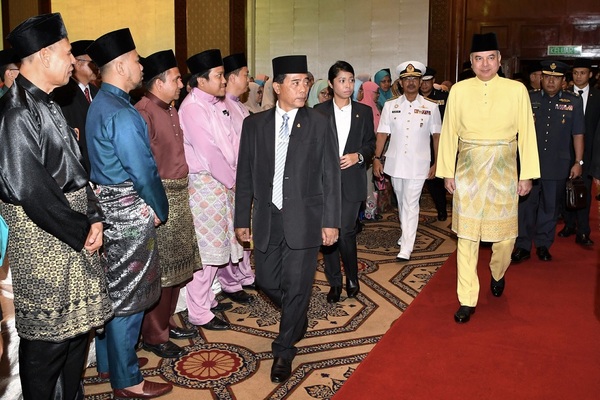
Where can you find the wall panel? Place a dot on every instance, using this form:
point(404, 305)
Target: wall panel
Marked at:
point(152, 26)
point(368, 34)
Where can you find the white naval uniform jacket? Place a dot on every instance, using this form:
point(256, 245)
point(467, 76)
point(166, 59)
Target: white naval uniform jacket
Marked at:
point(410, 125)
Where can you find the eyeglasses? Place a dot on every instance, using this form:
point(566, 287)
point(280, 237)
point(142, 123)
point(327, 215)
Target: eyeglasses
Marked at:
point(83, 60)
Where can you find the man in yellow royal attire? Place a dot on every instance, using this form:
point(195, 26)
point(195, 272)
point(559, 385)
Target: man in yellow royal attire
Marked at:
point(482, 119)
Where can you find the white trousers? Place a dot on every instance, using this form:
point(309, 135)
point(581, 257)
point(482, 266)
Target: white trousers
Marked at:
point(408, 193)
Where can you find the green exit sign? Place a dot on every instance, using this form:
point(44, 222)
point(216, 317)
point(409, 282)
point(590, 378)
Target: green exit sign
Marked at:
point(564, 50)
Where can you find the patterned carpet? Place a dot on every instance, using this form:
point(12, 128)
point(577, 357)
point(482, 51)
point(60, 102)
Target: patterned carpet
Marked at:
point(236, 364)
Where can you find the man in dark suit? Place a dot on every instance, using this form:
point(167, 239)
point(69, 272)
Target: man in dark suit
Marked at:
point(288, 178)
point(356, 140)
point(578, 221)
point(75, 97)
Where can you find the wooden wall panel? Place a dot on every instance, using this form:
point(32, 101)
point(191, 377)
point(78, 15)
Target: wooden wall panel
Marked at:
point(525, 29)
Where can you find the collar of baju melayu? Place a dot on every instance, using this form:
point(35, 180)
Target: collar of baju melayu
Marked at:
point(107, 87)
point(157, 101)
point(232, 97)
point(492, 81)
point(34, 90)
point(202, 95)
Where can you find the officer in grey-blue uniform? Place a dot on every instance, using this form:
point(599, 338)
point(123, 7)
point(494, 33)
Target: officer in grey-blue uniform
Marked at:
point(559, 125)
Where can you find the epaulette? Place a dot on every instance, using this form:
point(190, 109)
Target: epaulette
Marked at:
point(431, 100)
point(392, 98)
point(534, 90)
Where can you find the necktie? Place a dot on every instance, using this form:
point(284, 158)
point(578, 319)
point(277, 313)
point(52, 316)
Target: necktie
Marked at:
point(280, 156)
point(580, 92)
point(86, 91)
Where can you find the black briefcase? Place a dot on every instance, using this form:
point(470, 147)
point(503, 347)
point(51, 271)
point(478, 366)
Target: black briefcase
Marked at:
point(576, 194)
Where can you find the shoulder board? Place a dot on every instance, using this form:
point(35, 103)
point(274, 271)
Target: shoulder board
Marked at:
point(392, 98)
point(431, 100)
point(534, 90)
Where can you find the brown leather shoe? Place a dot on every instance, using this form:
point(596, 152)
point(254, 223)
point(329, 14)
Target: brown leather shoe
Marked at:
point(142, 361)
point(149, 391)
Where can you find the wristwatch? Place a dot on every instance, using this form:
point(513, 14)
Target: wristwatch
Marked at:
point(580, 162)
point(361, 159)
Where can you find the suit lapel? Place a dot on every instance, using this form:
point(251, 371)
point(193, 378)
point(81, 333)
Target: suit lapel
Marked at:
point(268, 142)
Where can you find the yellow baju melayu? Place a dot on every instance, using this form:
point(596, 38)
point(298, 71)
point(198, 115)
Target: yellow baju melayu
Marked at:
point(485, 123)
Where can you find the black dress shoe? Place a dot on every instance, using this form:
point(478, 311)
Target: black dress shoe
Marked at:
point(165, 350)
point(239, 297)
point(519, 255)
point(543, 254)
point(566, 231)
point(182, 333)
point(352, 288)
point(463, 315)
point(251, 286)
point(334, 294)
point(498, 286)
point(221, 307)
point(584, 240)
point(150, 390)
point(216, 324)
point(281, 370)
point(442, 216)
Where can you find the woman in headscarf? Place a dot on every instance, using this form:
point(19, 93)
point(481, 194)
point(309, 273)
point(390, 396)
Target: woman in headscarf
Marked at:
point(319, 92)
point(268, 100)
point(384, 80)
point(357, 85)
point(254, 98)
point(370, 94)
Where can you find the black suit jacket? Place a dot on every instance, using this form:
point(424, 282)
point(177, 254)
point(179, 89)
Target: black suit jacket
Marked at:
point(592, 118)
point(361, 139)
point(311, 186)
point(75, 106)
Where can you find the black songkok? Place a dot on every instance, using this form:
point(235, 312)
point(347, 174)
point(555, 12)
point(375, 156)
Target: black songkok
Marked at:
point(290, 65)
point(205, 61)
point(157, 63)
point(79, 47)
point(35, 33)
point(233, 62)
point(582, 63)
point(110, 46)
point(8, 56)
point(484, 42)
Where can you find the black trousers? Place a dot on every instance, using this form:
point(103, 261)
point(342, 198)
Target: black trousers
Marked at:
point(286, 276)
point(580, 219)
point(438, 194)
point(345, 247)
point(538, 213)
point(52, 370)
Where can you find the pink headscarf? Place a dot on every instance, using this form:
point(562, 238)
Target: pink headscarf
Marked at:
point(370, 89)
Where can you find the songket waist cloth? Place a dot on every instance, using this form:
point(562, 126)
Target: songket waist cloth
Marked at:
point(212, 207)
point(177, 246)
point(485, 202)
point(130, 259)
point(59, 293)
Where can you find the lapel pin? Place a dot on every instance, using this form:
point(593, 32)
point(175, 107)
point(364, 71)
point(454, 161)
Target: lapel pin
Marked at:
point(298, 126)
